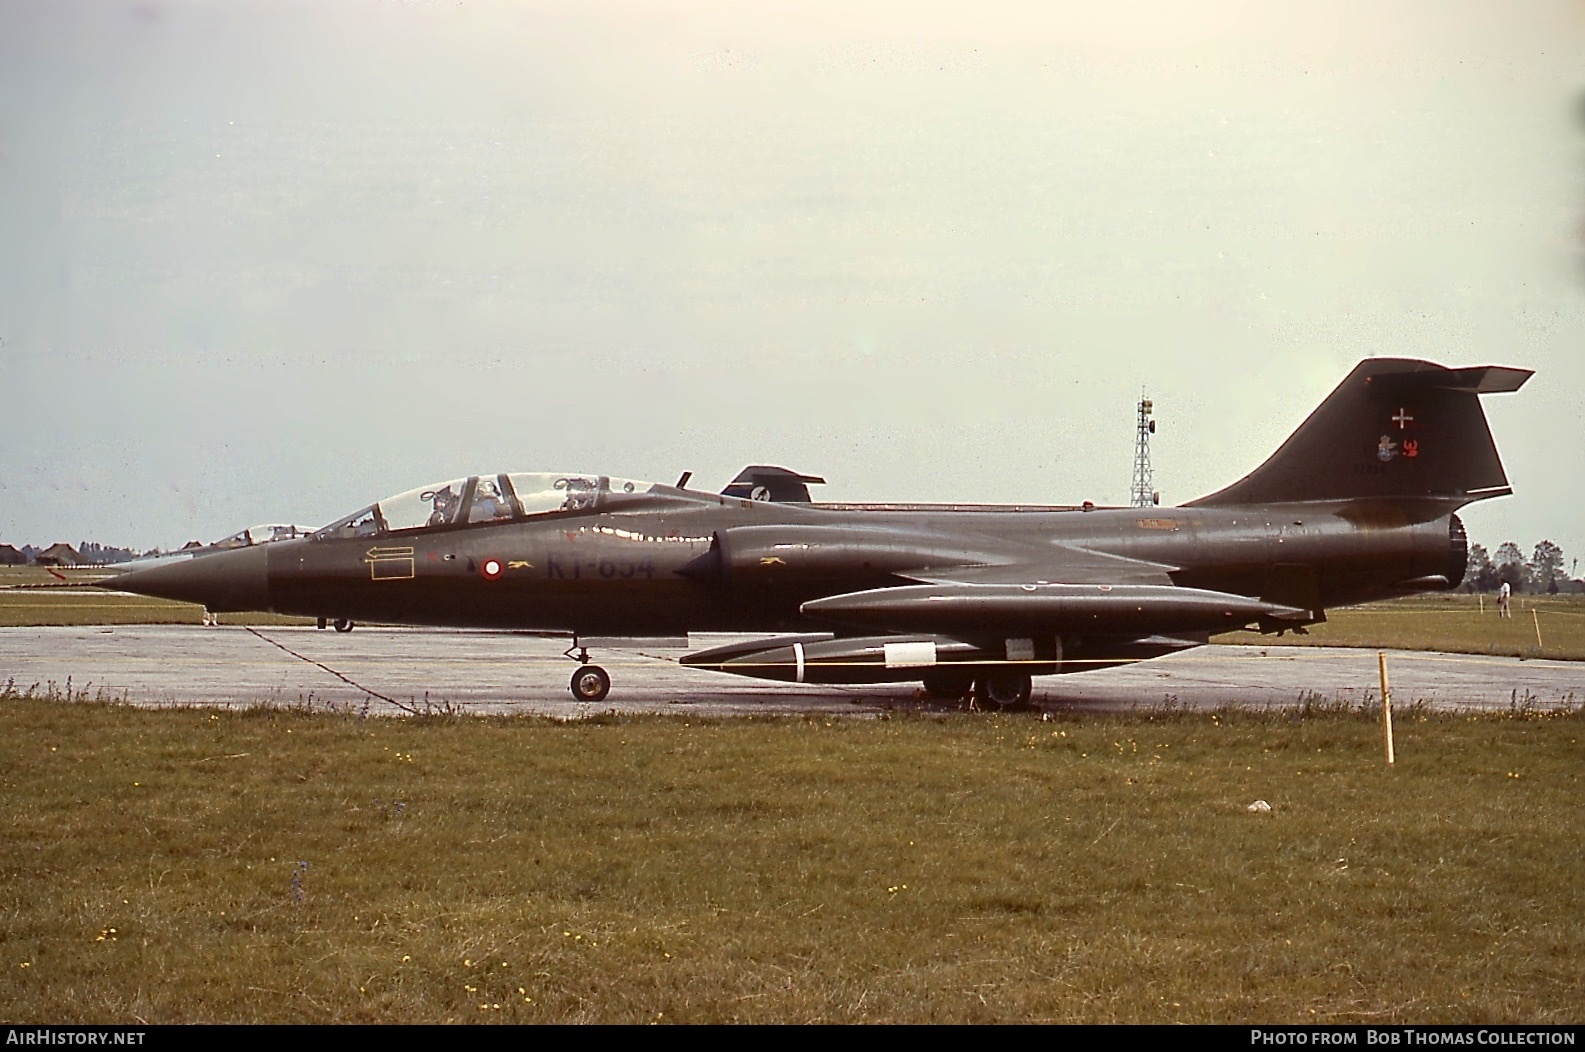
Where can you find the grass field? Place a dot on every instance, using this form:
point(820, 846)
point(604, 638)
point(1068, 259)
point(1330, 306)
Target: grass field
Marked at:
point(167, 866)
point(1453, 623)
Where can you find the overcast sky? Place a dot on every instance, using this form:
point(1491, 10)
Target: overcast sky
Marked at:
point(270, 262)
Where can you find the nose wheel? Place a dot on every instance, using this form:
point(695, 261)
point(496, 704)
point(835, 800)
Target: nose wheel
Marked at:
point(590, 683)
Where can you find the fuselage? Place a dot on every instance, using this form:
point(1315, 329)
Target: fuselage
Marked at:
point(652, 564)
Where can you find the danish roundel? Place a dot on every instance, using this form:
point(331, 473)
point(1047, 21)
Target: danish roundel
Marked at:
point(491, 569)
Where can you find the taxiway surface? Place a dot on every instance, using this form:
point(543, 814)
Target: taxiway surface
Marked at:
point(502, 672)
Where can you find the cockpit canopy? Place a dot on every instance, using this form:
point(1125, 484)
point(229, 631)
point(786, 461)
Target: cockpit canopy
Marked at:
point(265, 534)
point(483, 499)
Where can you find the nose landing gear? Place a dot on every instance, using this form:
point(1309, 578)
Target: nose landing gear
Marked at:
point(589, 682)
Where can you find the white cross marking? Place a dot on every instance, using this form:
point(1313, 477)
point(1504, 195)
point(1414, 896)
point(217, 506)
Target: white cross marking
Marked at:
point(1402, 419)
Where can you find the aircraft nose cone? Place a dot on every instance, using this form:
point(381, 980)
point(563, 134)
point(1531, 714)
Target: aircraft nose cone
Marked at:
point(222, 582)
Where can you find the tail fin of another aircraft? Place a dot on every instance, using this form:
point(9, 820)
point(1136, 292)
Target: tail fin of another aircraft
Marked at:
point(1394, 428)
point(763, 482)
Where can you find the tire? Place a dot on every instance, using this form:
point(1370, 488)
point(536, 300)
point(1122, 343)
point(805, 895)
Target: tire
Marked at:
point(343, 624)
point(590, 683)
point(1007, 688)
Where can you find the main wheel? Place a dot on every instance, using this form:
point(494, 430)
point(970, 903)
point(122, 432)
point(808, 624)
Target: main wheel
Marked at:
point(590, 683)
point(343, 624)
point(1007, 688)
point(948, 684)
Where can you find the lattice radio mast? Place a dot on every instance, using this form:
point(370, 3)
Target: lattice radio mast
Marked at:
point(1145, 494)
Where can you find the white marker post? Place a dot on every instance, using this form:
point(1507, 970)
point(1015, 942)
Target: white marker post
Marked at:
point(1535, 614)
point(1386, 706)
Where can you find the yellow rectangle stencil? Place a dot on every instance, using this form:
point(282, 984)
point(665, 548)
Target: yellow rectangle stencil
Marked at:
point(390, 564)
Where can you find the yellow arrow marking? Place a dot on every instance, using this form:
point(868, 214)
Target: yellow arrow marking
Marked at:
point(387, 553)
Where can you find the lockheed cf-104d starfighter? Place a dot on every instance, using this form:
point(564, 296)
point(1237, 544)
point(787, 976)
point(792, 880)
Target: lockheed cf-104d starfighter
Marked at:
point(1358, 504)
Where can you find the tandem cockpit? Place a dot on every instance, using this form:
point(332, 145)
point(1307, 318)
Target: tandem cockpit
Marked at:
point(484, 499)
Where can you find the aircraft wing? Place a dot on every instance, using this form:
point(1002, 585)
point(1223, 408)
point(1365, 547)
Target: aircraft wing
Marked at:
point(966, 611)
point(1068, 590)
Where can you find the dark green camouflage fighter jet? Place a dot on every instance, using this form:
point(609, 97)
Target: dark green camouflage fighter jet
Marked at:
point(1358, 504)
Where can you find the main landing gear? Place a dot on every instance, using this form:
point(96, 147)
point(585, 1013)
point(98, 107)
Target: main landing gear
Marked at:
point(949, 684)
point(1005, 688)
point(341, 624)
point(589, 682)
point(989, 688)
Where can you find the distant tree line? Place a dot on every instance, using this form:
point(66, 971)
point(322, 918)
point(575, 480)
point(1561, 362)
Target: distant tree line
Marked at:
point(104, 554)
point(88, 553)
point(1545, 570)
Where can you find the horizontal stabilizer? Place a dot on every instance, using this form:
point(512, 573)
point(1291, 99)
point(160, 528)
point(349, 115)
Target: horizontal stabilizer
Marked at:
point(1482, 379)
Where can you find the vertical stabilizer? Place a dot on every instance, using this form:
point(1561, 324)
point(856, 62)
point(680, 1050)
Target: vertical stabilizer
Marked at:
point(764, 482)
point(1394, 428)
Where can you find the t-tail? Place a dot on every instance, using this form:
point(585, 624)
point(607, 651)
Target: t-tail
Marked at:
point(764, 482)
point(1395, 429)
